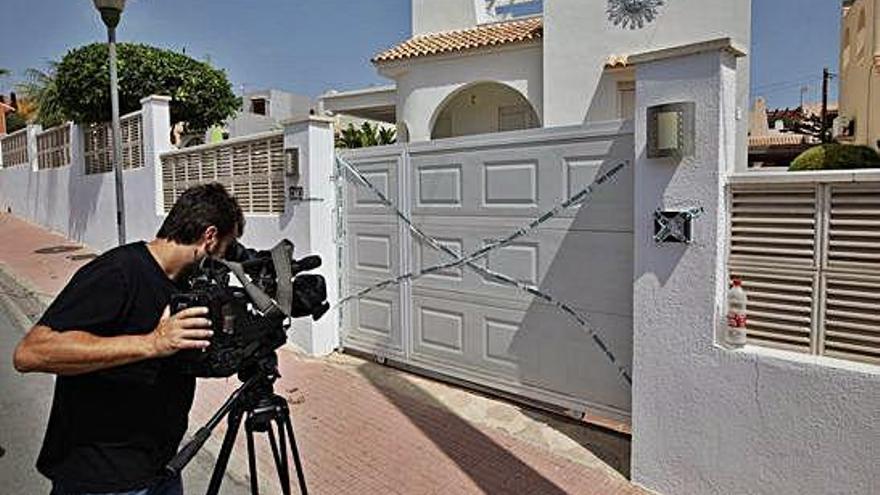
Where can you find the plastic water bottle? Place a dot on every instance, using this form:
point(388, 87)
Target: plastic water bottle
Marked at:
point(736, 314)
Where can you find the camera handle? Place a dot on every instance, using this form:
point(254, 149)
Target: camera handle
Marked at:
point(285, 270)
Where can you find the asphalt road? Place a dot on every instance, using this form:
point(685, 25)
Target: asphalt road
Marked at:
point(24, 409)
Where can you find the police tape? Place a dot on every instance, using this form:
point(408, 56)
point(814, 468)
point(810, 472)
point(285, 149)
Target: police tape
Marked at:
point(580, 198)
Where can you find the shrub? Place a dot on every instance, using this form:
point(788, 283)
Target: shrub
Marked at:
point(836, 157)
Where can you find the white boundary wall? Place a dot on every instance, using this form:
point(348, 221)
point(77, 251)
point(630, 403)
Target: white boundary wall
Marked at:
point(83, 207)
point(707, 420)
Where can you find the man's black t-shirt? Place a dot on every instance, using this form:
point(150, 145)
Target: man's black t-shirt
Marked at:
point(114, 430)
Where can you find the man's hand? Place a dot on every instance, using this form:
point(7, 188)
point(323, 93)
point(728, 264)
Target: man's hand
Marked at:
point(188, 329)
point(75, 352)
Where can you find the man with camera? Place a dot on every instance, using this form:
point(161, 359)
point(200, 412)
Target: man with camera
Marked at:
point(120, 409)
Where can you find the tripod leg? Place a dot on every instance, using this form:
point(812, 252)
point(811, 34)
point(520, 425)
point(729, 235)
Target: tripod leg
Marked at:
point(282, 439)
point(223, 458)
point(280, 464)
point(288, 425)
point(252, 458)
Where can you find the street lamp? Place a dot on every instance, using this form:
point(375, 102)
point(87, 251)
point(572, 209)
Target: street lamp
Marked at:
point(111, 11)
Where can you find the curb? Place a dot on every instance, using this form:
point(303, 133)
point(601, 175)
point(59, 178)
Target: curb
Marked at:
point(10, 283)
point(25, 285)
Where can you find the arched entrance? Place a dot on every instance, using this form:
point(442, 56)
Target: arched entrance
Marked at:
point(483, 108)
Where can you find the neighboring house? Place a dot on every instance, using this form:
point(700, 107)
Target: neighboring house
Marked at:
point(374, 105)
point(771, 146)
point(860, 73)
point(4, 109)
point(265, 110)
point(777, 137)
point(470, 69)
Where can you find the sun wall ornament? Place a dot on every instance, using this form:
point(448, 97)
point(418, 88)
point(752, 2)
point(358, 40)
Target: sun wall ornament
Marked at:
point(633, 14)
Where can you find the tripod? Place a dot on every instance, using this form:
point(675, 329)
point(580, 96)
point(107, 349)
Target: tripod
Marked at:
point(263, 411)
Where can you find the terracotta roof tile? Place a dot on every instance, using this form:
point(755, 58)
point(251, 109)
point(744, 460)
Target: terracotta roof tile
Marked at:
point(787, 139)
point(467, 39)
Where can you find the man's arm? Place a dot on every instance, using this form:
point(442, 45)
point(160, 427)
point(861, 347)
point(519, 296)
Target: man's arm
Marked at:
point(76, 352)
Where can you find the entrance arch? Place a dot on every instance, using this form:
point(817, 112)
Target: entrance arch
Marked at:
point(483, 108)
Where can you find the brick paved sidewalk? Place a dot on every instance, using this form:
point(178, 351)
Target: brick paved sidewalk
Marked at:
point(43, 261)
point(365, 428)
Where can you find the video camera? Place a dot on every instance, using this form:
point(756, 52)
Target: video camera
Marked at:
point(249, 322)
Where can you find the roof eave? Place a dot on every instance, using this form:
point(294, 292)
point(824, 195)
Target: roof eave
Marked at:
point(478, 50)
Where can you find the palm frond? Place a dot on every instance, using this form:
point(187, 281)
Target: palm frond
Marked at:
point(41, 90)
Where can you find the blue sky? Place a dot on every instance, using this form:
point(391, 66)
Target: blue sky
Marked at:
point(310, 46)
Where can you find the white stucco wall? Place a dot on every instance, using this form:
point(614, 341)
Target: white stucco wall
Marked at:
point(578, 38)
point(431, 16)
point(605, 105)
point(315, 224)
point(708, 420)
point(423, 84)
point(83, 207)
point(475, 110)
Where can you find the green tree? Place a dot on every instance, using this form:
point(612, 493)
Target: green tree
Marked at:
point(201, 95)
point(4, 72)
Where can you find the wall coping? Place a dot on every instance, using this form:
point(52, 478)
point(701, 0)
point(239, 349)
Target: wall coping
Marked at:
point(23, 130)
point(147, 99)
point(825, 176)
point(228, 142)
point(316, 119)
point(716, 45)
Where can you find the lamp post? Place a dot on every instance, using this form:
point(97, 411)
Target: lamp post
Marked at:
point(111, 11)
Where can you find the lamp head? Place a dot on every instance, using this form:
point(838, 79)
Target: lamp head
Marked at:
point(111, 11)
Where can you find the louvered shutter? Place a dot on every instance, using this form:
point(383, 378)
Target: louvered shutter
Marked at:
point(251, 170)
point(773, 250)
point(851, 310)
point(780, 307)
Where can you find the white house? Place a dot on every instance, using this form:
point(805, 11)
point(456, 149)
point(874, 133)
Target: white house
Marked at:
point(474, 66)
point(264, 110)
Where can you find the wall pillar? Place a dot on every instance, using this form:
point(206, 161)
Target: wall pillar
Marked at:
point(32, 153)
point(679, 289)
point(312, 140)
point(156, 120)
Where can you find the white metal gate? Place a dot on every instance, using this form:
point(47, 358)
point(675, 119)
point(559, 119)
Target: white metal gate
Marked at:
point(467, 192)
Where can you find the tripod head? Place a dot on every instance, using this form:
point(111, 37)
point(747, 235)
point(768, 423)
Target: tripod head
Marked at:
point(255, 398)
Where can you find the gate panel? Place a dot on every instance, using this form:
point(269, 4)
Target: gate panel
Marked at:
point(372, 254)
point(467, 193)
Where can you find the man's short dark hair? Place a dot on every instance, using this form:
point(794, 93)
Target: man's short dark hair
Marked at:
point(198, 208)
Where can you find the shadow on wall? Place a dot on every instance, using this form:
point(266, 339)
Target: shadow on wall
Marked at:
point(614, 97)
point(489, 465)
point(83, 195)
point(551, 349)
point(591, 271)
point(285, 218)
point(661, 172)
